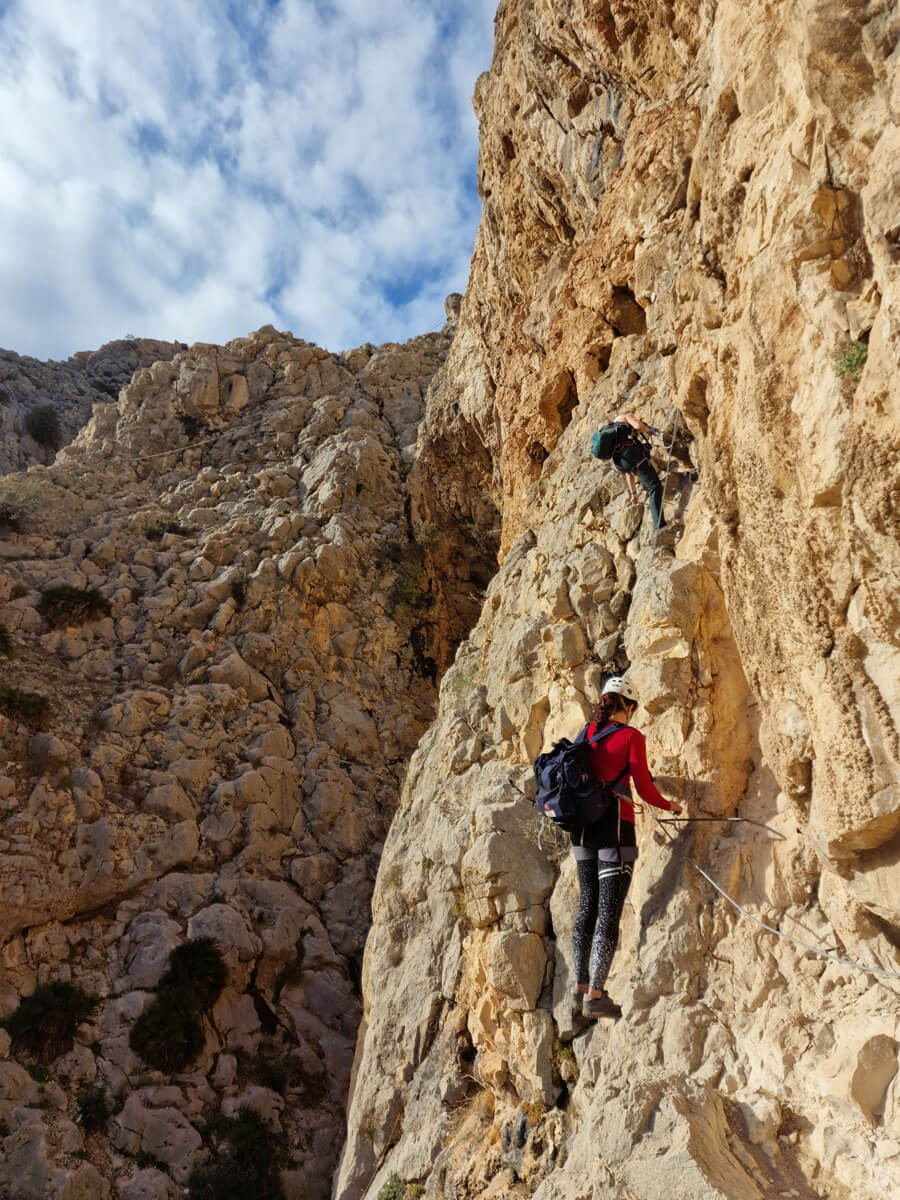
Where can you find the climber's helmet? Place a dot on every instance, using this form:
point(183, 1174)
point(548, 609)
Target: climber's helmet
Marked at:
point(621, 687)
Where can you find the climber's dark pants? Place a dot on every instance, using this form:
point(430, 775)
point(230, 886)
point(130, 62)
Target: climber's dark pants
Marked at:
point(636, 460)
point(603, 887)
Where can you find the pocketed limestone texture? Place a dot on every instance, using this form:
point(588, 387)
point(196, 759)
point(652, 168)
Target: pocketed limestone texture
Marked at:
point(690, 211)
point(223, 746)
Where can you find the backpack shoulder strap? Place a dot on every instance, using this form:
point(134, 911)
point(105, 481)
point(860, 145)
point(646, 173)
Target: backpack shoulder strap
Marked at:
point(599, 737)
point(601, 734)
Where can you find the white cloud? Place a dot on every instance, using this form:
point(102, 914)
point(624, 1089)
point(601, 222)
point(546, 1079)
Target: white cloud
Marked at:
point(176, 170)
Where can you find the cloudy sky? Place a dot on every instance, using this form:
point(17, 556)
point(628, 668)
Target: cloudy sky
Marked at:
point(193, 169)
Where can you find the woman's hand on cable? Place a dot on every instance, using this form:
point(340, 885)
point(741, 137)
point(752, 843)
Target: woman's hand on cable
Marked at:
point(675, 808)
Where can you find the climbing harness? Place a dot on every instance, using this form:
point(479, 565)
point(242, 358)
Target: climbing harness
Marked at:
point(785, 937)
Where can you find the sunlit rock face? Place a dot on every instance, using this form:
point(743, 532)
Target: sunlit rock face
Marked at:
point(690, 211)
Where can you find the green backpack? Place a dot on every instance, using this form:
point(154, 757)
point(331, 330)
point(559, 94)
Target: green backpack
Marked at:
point(605, 440)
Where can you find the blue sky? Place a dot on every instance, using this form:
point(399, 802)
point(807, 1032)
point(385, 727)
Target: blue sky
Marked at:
point(193, 170)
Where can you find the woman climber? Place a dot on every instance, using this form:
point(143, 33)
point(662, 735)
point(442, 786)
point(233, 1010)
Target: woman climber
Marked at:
point(606, 850)
point(624, 442)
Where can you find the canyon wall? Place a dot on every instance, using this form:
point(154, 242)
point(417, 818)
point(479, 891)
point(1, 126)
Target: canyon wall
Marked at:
point(218, 653)
point(691, 211)
point(230, 602)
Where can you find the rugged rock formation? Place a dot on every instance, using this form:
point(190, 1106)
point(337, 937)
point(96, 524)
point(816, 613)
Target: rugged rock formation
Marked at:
point(224, 745)
point(689, 210)
point(70, 388)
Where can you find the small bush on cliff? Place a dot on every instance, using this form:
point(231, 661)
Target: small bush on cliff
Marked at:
point(42, 423)
point(144, 1159)
point(273, 1068)
point(248, 1155)
point(30, 707)
point(564, 1063)
point(44, 1024)
point(239, 592)
point(12, 518)
point(6, 643)
point(426, 535)
point(849, 362)
point(168, 1035)
point(393, 1189)
point(93, 1109)
point(407, 560)
point(67, 605)
point(198, 969)
point(464, 683)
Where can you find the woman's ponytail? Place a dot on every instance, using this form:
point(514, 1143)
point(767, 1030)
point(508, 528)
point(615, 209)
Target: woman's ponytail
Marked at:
point(608, 704)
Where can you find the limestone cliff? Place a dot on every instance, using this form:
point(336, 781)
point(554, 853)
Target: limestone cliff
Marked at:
point(690, 210)
point(229, 602)
point(68, 389)
point(216, 605)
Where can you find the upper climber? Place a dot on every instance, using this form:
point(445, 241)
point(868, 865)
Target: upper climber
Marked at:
point(605, 850)
point(624, 442)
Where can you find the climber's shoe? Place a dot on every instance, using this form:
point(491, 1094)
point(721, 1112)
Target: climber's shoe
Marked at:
point(578, 1021)
point(601, 1006)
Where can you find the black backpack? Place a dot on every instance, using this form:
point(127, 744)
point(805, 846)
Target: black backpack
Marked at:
point(566, 789)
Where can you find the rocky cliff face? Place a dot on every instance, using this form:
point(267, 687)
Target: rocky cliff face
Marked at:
point(691, 211)
point(69, 388)
point(229, 688)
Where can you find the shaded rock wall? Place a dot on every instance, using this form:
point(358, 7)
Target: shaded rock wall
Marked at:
point(690, 210)
point(70, 388)
point(224, 745)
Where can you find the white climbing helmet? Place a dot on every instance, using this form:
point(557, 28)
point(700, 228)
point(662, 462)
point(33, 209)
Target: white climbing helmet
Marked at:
point(621, 687)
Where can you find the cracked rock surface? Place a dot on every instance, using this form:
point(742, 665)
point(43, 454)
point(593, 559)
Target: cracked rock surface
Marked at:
point(223, 747)
point(689, 211)
point(70, 388)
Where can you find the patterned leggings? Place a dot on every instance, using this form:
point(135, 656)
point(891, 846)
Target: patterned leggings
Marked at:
point(595, 935)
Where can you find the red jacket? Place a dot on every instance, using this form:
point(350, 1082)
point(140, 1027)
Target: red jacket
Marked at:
point(624, 748)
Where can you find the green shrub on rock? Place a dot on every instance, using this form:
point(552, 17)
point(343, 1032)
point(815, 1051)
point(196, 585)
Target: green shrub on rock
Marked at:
point(44, 1024)
point(93, 1107)
point(849, 362)
point(42, 423)
point(30, 707)
point(198, 969)
point(168, 1035)
point(67, 605)
point(394, 1189)
point(12, 517)
point(248, 1155)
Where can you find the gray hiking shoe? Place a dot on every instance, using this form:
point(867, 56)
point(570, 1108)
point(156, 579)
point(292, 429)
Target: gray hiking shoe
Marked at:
point(579, 1021)
point(601, 1006)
